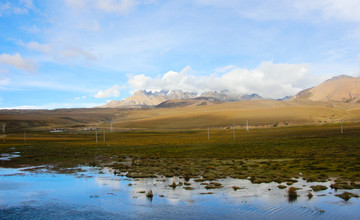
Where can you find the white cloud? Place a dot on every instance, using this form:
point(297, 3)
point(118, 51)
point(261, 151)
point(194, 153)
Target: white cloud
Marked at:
point(17, 61)
point(56, 106)
point(21, 8)
point(121, 7)
point(72, 52)
point(268, 80)
point(78, 98)
point(27, 3)
point(330, 9)
point(224, 69)
point(32, 45)
point(38, 47)
point(150, 2)
point(31, 29)
point(4, 8)
point(117, 6)
point(111, 92)
point(17, 10)
point(4, 80)
point(52, 85)
point(66, 53)
point(347, 10)
point(76, 3)
point(3, 71)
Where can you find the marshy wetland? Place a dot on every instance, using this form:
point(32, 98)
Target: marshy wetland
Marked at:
point(299, 171)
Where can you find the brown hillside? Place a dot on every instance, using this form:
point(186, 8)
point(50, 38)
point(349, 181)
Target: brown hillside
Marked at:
point(186, 114)
point(258, 113)
point(340, 89)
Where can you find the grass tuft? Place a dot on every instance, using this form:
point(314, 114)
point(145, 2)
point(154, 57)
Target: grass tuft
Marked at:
point(319, 188)
point(149, 194)
point(347, 195)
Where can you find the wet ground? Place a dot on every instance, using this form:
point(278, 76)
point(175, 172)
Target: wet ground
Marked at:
point(93, 193)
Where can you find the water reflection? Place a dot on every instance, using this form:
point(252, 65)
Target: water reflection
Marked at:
point(5, 156)
point(94, 194)
point(292, 199)
point(112, 183)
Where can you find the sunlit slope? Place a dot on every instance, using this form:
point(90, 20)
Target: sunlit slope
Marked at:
point(340, 89)
point(258, 113)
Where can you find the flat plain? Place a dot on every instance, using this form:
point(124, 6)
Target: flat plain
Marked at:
point(286, 140)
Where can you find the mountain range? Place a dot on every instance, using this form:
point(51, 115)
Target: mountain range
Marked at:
point(144, 98)
point(340, 88)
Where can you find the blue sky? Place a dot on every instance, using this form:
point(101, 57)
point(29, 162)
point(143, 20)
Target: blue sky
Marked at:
point(83, 53)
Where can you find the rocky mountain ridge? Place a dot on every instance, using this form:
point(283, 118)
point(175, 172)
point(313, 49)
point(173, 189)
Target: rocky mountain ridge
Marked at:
point(144, 98)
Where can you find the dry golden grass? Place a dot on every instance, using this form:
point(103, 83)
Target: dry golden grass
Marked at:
point(258, 113)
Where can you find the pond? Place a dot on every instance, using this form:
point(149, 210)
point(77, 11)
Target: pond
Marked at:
point(94, 193)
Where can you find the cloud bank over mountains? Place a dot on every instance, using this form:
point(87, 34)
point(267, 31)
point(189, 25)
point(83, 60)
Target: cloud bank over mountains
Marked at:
point(269, 80)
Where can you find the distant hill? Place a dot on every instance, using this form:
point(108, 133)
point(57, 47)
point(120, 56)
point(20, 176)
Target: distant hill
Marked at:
point(341, 88)
point(143, 98)
point(286, 98)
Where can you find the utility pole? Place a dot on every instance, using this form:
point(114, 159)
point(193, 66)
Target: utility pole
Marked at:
point(208, 133)
point(3, 129)
point(111, 126)
point(234, 131)
point(342, 129)
point(96, 136)
point(247, 125)
point(104, 135)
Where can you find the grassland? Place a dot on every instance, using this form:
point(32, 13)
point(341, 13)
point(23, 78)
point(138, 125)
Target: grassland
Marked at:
point(286, 140)
point(259, 113)
point(278, 154)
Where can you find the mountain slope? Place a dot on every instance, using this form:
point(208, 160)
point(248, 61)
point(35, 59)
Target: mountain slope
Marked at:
point(340, 89)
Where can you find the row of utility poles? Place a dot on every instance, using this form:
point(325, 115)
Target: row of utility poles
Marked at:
point(111, 129)
point(233, 125)
point(104, 135)
point(247, 129)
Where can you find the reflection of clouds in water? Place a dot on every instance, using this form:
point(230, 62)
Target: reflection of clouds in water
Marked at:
point(177, 195)
point(251, 191)
point(108, 170)
point(5, 156)
point(267, 193)
point(112, 183)
point(160, 187)
point(261, 192)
